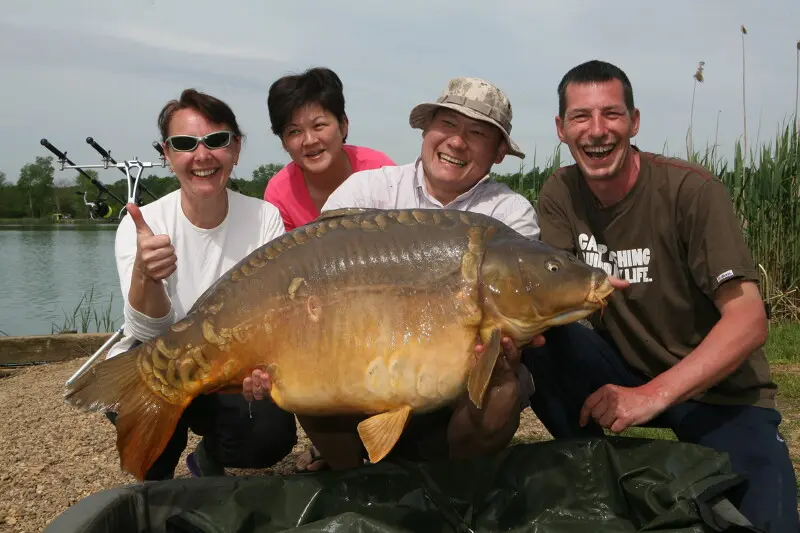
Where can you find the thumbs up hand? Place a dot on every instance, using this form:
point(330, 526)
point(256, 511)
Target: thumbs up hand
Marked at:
point(155, 255)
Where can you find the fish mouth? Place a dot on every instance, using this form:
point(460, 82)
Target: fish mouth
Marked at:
point(600, 288)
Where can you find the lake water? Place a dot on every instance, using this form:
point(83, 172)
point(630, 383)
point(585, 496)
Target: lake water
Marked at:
point(46, 270)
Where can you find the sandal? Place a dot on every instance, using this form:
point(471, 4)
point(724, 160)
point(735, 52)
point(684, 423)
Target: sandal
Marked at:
point(192, 466)
point(310, 461)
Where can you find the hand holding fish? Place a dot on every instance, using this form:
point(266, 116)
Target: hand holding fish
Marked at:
point(618, 408)
point(155, 255)
point(618, 283)
point(257, 386)
point(474, 431)
point(508, 346)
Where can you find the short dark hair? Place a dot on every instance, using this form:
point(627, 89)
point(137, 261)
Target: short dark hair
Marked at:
point(594, 71)
point(214, 109)
point(316, 85)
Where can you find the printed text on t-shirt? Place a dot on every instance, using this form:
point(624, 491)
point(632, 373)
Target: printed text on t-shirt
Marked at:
point(630, 265)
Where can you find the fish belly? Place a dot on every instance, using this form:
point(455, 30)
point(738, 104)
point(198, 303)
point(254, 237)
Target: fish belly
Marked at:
point(370, 351)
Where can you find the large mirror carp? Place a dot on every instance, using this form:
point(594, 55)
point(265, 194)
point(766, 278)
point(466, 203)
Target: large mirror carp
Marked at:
point(362, 311)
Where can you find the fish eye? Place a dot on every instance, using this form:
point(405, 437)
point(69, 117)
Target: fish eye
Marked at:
point(552, 265)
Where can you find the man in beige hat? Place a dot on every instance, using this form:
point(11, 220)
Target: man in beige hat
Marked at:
point(465, 132)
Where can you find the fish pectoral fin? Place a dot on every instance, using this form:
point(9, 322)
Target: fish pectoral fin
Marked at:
point(481, 373)
point(381, 432)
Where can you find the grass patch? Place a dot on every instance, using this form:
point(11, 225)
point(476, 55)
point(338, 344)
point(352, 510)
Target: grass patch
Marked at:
point(783, 343)
point(788, 381)
point(648, 433)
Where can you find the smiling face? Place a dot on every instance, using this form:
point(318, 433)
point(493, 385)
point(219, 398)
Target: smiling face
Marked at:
point(598, 127)
point(457, 152)
point(314, 138)
point(203, 173)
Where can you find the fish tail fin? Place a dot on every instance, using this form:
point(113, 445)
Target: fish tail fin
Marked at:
point(481, 373)
point(144, 420)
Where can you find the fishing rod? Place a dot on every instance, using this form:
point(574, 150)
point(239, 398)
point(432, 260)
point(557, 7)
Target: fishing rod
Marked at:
point(107, 157)
point(62, 158)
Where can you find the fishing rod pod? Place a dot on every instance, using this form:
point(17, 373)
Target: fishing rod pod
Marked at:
point(132, 169)
point(107, 158)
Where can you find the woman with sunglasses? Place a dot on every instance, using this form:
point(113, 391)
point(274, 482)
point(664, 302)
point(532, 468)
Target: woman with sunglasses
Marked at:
point(307, 114)
point(170, 251)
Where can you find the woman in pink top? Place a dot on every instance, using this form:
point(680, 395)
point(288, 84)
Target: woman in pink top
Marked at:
point(307, 114)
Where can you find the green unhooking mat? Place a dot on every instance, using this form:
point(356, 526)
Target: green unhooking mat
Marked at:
point(613, 485)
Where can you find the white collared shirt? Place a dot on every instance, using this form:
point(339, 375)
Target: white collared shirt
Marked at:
point(403, 187)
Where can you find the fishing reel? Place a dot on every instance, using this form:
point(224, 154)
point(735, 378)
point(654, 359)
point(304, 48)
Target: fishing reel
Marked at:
point(98, 209)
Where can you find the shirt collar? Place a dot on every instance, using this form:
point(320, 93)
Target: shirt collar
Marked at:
point(419, 183)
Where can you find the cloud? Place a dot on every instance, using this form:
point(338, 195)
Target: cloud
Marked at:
point(105, 67)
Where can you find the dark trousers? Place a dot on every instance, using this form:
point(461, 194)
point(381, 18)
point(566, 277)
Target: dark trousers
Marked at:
point(575, 361)
point(230, 437)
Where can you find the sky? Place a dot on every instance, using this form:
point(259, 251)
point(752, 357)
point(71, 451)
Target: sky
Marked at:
point(105, 68)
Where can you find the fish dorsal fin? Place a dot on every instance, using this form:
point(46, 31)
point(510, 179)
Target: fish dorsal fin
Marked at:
point(381, 432)
point(481, 373)
point(345, 211)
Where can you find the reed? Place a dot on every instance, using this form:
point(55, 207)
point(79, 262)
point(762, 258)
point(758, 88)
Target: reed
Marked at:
point(85, 315)
point(744, 106)
point(797, 89)
point(698, 78)
point(766, 196)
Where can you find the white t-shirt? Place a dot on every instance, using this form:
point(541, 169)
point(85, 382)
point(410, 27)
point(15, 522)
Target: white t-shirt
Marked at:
point(403, 187)
point(203, 255)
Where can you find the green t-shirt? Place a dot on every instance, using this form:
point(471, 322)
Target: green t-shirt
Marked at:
point(675, 238)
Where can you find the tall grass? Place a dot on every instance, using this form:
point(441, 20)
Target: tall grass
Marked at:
point(529, 183)
point(85, 315)
point(766, 195)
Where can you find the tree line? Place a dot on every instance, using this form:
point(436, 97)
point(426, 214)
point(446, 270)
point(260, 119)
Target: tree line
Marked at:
point(37, 194)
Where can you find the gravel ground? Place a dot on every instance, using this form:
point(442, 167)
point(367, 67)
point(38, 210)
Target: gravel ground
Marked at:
point(54, 455)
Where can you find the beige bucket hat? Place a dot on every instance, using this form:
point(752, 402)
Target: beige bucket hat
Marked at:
point(475, 98)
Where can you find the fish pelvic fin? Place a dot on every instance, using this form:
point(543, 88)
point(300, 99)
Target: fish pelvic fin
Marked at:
point(381, 432)
point(144, 420)
point(481, 373)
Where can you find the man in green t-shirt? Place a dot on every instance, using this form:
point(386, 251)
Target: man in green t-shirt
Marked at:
point(680, 346)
